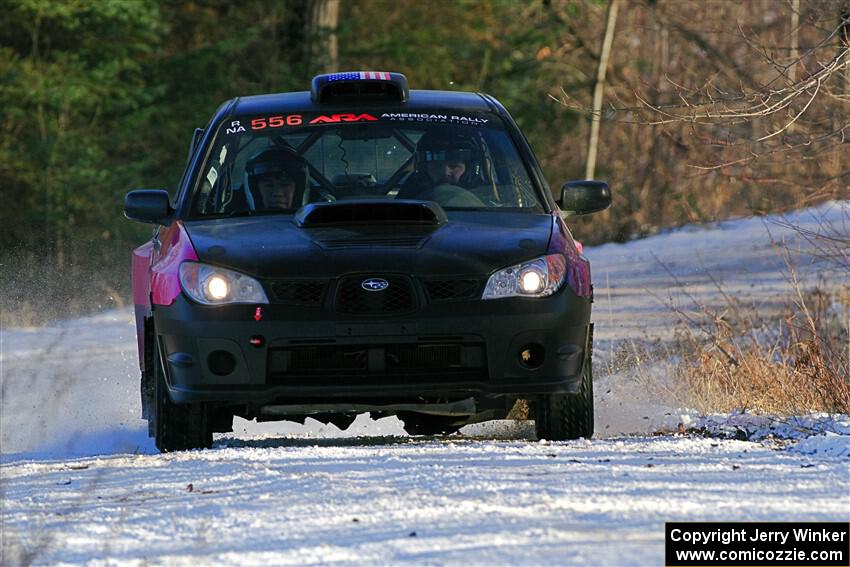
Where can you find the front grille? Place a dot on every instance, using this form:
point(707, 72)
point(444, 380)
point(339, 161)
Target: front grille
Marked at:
point(298, 292)
point(352, 299)
point(452, 290)
point(423, 357)
point(320, 358)
point(406, 359)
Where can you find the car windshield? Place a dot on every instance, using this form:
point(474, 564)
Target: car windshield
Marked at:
point(278, 163)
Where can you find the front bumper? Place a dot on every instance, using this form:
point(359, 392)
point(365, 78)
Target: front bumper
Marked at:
point(306, 354)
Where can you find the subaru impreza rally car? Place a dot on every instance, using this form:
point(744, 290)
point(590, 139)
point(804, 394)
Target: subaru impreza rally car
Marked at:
point(362, 248)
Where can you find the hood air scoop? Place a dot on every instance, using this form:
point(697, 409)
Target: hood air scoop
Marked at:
point(339, 237)
point(372, 212)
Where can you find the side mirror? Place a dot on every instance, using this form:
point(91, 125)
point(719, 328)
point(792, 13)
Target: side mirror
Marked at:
point(148, 205)
point(584, 197)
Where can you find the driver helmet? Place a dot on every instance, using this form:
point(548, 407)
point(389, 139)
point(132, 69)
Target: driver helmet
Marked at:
point(281, 163)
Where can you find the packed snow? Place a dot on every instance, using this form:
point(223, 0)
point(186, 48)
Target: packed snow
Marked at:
point(82, 483)
point(383, 501)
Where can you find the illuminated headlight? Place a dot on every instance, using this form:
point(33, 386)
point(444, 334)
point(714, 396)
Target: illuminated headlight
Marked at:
point(531, 281)
point(211, 285)
point(537, 278)
point(217, 288)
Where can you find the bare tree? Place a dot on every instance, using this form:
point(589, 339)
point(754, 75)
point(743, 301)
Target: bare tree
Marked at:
point(599, 89)
point(717, 108)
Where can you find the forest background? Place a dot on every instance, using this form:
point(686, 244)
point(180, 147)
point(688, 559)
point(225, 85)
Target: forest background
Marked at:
point(710, 109)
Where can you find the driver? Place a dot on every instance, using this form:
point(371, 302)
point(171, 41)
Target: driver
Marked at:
point(443, 158)
point(277, 190)
point(444, 171)
point(275, 179)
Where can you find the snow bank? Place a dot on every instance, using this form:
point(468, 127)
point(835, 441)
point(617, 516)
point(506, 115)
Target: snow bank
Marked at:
point(828, 444)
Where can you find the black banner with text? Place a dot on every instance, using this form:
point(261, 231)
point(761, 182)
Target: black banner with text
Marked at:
point(762, 544)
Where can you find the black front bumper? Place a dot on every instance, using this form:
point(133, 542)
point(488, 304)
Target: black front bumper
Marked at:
point(306, 354)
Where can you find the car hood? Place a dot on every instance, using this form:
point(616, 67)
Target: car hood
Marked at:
point(470, 243)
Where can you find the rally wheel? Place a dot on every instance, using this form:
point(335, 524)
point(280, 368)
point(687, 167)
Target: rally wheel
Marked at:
point(177, 427)
point(560, 417)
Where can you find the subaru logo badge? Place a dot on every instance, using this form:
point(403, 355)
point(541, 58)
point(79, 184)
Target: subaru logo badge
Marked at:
point(375, 284)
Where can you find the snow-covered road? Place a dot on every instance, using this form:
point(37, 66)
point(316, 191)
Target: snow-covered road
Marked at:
point(81, 483)
point(386, 501)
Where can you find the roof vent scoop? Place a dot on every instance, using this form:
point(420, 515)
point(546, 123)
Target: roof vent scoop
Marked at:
point(359, 86)
point(371, 211)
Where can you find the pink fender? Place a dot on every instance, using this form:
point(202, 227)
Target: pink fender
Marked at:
point(578, 268)
point(156, 275)
point(165, 272)
point(141, 282)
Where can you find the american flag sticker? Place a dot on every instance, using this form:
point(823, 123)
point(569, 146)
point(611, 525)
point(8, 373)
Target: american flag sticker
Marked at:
point(360, 75)
point(375, 75)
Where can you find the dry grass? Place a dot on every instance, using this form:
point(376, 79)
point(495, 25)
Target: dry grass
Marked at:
point(789, 361)
point(795, 363)
point(521, 411)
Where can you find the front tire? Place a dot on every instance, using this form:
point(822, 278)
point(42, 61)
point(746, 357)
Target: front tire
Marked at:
point(560, 417)
point(177, 427)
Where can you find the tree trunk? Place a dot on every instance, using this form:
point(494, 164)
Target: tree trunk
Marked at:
point(650, 194)
point(795, 41)
point(322, 25)
point(845, 40)
point(599, 89)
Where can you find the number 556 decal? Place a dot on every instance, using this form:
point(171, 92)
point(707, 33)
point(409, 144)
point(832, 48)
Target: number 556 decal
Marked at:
point(276, 121)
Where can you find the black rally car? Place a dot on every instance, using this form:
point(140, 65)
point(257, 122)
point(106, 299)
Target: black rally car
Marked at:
point(362, 247)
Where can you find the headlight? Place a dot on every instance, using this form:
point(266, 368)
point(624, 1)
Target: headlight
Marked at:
point(536, 278)
point(219, 286)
